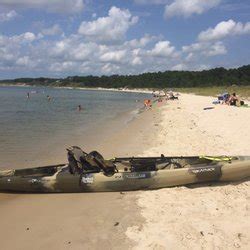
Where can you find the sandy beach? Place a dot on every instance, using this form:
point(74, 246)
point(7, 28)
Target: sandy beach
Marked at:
point(213, 216)
point(198, 216)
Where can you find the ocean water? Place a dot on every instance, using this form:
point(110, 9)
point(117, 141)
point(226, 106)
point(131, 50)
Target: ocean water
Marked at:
point(35, 129)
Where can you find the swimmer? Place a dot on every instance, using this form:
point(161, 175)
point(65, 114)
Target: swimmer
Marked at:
point(79, 107)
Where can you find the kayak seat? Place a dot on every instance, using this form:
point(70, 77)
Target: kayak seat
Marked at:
point(80, 162)
point(107, 166)
point(75, 160)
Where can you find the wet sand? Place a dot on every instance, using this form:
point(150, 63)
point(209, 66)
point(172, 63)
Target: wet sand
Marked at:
point(67, 221)
point(198, 216)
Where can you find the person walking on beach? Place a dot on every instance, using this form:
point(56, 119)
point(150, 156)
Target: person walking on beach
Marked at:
point(147, 103)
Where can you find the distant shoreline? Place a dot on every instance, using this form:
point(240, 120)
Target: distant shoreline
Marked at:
point(242, 91)
point(136, 90)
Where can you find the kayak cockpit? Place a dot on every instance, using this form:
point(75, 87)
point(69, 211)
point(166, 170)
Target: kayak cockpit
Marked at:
point(36, 172)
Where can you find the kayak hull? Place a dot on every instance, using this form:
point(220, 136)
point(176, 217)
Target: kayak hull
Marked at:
point(57, 179)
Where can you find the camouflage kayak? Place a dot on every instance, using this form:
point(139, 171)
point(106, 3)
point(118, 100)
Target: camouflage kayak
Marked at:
point(129, 174)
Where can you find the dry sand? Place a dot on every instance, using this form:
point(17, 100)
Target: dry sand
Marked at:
point(213, 216)
point(194, 217)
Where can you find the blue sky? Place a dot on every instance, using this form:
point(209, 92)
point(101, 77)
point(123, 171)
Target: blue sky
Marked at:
point(57, 38)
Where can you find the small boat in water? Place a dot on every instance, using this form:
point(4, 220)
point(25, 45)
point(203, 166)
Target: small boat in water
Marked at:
point(92, 173)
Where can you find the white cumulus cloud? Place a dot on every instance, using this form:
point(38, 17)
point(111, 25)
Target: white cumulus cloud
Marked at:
point(142, 42)
point(224, 29)
point(83, 51)
point(136, 61)
point(113, 56)
point(53, 30)
point(24, 61)
point(179, 67)
point(27, 37)
point(110, 28)
point(206, 49)
point(4, 17)
point(62, 66)
point(13, 50)
point(163, 49)
point(217, 48)
point(187, 8)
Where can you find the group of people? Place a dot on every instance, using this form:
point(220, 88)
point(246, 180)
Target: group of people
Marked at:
point(232, 100)
point(49, 98)
point(169, 95)
point(160, 97)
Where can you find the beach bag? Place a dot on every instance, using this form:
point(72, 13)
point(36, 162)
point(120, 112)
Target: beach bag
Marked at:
point(223, 97)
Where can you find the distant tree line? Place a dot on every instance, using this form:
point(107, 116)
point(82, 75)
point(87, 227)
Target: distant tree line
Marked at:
point(167, 79)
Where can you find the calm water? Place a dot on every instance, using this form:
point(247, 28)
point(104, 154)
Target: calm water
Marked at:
point(36, 128)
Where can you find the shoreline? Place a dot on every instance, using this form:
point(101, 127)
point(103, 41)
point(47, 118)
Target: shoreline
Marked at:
point(95, 213)
point(136, 90)
point(169, 218)
point(213, 91)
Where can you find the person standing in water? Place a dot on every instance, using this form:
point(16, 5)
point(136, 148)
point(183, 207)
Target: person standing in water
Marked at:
point(79, 108)
point(28, 95)
point(48, 98)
